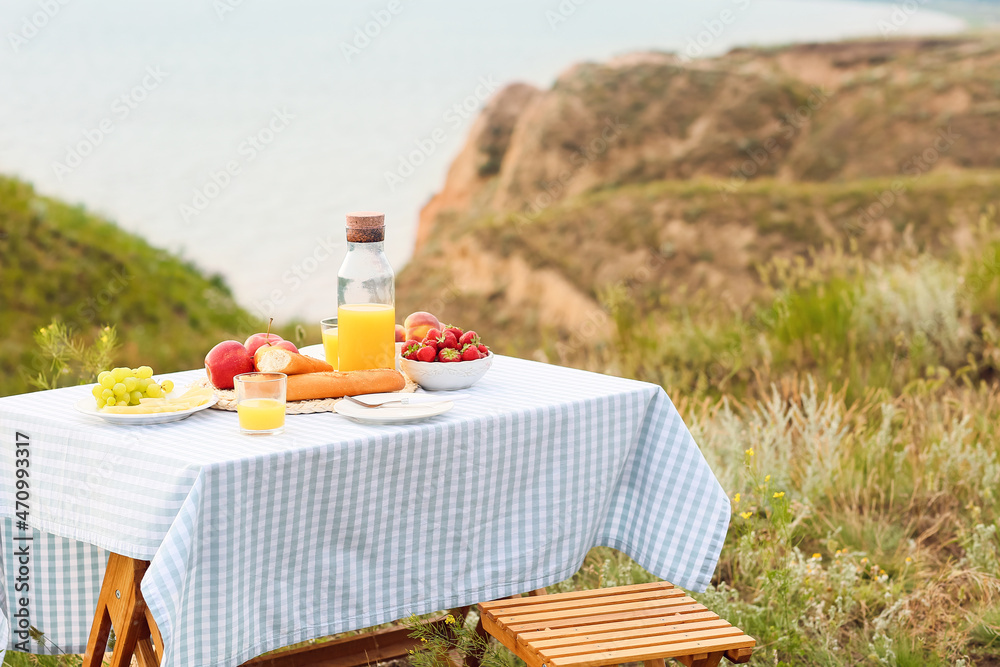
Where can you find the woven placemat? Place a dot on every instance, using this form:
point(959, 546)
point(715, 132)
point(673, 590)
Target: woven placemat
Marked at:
point(227, 399)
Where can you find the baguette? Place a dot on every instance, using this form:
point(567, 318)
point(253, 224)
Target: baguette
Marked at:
point(270, 359)
point(334, 384)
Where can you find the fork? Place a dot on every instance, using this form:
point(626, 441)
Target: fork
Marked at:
point(402, 401)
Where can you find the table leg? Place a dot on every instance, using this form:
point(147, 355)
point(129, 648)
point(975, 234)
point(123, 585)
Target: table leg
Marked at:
point(120, 606)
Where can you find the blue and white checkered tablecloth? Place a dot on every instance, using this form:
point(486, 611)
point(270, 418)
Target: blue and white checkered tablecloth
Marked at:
point(260, 542)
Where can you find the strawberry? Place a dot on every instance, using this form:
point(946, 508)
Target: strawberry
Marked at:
point(483, 350)
point(449, 354)
point(426, 353)
point(470, 353)
point(432, 334)
point(410, 348)
point(469, 338)
point(450, 340)
point(455, 330)
point(430, 342)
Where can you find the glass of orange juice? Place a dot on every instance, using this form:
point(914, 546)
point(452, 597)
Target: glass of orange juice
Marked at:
point(260, 402)
point(330, 340)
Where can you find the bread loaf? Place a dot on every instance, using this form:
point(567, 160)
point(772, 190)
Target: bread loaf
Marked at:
point(334, 384)
point(278, 360)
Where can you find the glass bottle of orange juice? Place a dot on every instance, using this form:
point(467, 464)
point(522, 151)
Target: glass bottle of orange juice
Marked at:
point(366, 297)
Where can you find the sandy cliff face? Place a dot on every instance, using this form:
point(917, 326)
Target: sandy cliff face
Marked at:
point(479, 160)
point(710, 167)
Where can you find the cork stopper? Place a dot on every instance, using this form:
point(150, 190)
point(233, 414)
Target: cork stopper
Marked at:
point(365, 227)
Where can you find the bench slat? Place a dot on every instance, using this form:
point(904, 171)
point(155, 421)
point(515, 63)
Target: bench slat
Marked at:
point(653, 652)
point(575, 595)
point(657, 630)
point(632, 624)
point(585, 603)
point(665, 639)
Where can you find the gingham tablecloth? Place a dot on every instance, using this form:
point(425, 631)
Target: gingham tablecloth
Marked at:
point(260, 542)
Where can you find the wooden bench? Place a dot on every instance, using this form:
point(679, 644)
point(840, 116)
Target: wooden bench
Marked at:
point(648, 623)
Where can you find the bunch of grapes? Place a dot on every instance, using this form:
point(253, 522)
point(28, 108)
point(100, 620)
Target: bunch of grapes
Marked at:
point(126, 386)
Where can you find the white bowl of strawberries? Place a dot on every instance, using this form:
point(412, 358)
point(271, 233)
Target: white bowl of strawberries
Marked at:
point(446, 359)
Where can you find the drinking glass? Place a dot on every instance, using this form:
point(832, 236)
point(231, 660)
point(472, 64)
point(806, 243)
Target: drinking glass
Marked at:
point(260, 402)
point(330, 340)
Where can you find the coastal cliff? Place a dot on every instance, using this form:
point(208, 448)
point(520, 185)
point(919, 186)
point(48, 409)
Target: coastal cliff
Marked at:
point(649, 178)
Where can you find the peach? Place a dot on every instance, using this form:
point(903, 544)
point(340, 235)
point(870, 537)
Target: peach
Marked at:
point(400, 333)
point(418, 324)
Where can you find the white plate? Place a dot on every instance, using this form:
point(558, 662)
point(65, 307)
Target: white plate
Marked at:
point(400, 414)
point(315, 351)
point(88, 406)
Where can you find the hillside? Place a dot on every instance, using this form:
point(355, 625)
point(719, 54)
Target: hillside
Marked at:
point(58, 261)
point(681, 181)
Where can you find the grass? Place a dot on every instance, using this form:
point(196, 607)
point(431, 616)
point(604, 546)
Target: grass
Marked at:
point(60, 263)
point(851, 410)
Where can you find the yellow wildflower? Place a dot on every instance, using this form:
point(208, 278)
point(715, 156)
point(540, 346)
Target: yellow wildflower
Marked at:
point(864, 560)
point(748, 452)
point(767, 478)
point(817, 556)
point(746, 515)
point(909, 560)
point(736, 499)
point(449, 619)
point(779, 494)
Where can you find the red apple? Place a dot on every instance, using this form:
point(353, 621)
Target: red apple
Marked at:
point(285, 345)
point(225, 361)
point(258, 339)
point(417, 325)
point(400, 333)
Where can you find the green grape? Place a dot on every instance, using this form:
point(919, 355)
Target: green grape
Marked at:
point(96, 391)
point(134, 397)
point(120, 374)
point(130, 383)
point(154, 390)
point(144, 372)
point(107, 393)
point(142, 384)
point(106, 379)
point(167, 386)
point(121, 403)
point(111, 401)
point(119, 389)
point(102, 375)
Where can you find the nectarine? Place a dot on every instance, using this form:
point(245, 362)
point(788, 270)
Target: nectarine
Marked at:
point(419, 323)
